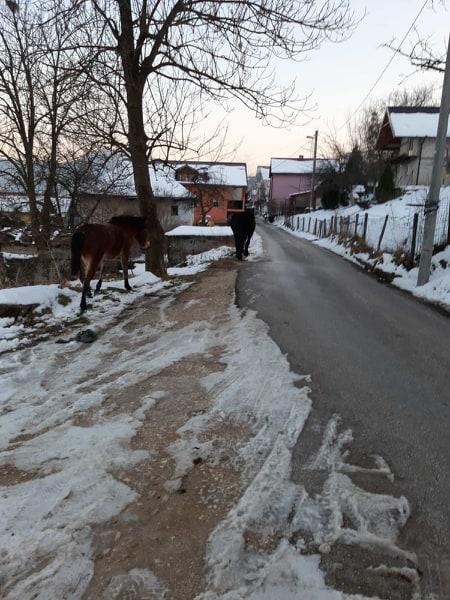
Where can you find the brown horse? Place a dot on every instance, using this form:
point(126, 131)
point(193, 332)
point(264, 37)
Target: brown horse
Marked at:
point(91, 244)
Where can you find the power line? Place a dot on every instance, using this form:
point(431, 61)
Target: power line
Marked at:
point(386, 66)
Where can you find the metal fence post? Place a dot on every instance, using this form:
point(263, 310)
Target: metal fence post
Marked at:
point(366, 218)
point(356, 224)
point(414, 236)
point(382, 233)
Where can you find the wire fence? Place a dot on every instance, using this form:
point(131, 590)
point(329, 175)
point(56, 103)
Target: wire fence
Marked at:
point(388, 233)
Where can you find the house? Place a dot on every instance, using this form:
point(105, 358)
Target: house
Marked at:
point(185, 192)
point(107, 190)
point(215, 189)
point(291, 181)
point(408, 135)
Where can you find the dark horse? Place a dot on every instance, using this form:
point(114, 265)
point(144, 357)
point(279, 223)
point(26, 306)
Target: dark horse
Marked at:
point(243, 226)
point(91, 244)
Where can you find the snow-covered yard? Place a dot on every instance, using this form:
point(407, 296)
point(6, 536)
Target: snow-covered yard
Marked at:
point(396, 238)
point(55, 306)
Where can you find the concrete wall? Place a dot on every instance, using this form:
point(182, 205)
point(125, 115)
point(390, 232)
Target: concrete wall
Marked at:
point(101, 209)
point(180, 246)
point(168, 220)
point(35, 271)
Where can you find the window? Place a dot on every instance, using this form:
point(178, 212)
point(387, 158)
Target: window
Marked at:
point(175, 210)
point(215, 203)
point(186, 174)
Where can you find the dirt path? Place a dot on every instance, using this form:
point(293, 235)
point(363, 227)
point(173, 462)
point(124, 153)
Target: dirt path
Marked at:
point(166, 529)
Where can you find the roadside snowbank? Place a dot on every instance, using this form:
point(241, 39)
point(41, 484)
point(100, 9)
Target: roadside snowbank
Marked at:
point(436, 291)
point(400, 212)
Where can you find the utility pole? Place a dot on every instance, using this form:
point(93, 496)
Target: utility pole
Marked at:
point(313, 178)
point(432, 201)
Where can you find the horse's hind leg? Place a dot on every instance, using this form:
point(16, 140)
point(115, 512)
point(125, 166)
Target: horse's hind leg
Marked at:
point(98, 287)
point(90, 270)
point(246, 245)
point(84, 293)
point(125, 271)
point(85, 262)
point(239, 241)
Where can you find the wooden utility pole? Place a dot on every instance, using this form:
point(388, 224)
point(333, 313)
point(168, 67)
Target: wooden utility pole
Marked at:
point(432, 201)
point(313, 177)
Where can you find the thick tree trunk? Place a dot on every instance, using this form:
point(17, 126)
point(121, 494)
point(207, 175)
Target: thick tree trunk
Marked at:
point(49, 188)
point(32, 201)
point(154, 259)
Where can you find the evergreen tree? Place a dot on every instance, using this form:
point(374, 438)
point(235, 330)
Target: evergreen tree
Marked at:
point(386, 186)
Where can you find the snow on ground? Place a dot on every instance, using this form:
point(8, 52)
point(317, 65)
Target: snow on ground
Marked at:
point(217, 230)
point(58, 304)
point(400, 212)
point(16, 255)
point(47, 520)
point(437, 290)
point(199, 262)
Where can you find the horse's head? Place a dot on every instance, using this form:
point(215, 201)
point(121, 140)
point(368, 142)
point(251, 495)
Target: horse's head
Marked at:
point(135, 227)
point(142, 237)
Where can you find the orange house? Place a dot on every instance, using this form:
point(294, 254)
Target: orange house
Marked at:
point(217, 189)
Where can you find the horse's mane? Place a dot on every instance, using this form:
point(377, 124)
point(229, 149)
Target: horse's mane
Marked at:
point(130, 220)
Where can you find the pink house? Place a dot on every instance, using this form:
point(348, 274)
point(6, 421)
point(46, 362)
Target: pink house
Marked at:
point(290, 177)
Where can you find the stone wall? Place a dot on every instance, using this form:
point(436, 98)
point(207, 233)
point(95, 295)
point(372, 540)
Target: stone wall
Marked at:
point(37, 270)
point(180, 246)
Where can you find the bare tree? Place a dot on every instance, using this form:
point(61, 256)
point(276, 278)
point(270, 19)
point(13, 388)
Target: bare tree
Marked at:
point(363, 131)
point(222, 49)
point(422, 54)
point(39, 100)
point(19, 118)
point(94, 173)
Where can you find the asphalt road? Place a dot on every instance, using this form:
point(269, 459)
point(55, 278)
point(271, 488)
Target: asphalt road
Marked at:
point(380, 360)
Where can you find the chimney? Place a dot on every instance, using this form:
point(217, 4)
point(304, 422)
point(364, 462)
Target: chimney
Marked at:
point(300, 157)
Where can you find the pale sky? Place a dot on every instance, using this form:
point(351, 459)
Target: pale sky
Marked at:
point(339, 75)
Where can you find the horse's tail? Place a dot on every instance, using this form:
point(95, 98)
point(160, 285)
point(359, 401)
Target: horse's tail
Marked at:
point(76, 248)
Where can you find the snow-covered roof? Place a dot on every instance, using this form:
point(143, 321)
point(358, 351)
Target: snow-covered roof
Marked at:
point(296, 166)
point(164, 184)
point(229, 174)
point(190, 230)
point(414, 122)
